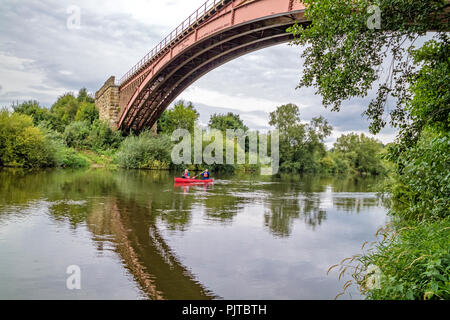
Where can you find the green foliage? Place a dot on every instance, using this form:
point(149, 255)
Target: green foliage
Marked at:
point(180, 117)
point(409, 261)
point(421, 154)
point(76, 134)
point(66, 108)
point(431, 93)
point(71, 122)
point(335, 164)
point(102, 137)
point(145, 152)
point(83, 96)
point(87, 112)
point(230, 121)
point(61, 155)
point(22, 144)
point(70, 158)
point(33, 109)
point(415, 264)
point(98, 136)
point(41, 115)
point(342, 60)
point(343, 55)
point(301, 145)
point(362, 153)
point(422, 185)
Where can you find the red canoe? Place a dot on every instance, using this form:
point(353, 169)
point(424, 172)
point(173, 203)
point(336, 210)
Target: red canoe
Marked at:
point(182, 180)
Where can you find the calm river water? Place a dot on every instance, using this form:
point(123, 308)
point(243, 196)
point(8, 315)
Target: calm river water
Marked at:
point(136, 235)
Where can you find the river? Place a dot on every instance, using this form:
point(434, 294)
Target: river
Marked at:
point(136, 235)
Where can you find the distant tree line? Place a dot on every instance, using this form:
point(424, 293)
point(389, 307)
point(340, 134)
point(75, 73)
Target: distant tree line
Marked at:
point(70, 134)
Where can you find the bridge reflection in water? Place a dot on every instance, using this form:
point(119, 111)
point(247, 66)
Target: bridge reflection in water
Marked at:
point(143, 218)
point(143, 251)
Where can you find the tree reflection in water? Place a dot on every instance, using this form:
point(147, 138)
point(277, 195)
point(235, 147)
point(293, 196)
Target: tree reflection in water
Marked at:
point(125, 209)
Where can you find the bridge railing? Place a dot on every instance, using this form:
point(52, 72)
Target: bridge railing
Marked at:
point(200, 13)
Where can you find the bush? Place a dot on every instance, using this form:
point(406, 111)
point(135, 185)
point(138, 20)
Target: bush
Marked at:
point(415, 265)
point(142, 152)
point(87, 112)
point(102, 137)
point(76, 134)
point(62, 155)
point(70, 158)
point(22, 144)
point(423, 185)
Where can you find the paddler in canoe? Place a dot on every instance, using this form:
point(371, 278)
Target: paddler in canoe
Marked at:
point(205, 175)
point(186, 174)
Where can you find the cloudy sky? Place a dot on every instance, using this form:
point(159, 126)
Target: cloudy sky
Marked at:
point(42, 56)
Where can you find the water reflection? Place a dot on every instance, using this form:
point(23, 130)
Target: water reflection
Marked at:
point(113, 213)
point(127, 210)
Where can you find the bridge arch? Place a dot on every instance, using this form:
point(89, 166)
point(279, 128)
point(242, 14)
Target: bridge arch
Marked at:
point(220, 32)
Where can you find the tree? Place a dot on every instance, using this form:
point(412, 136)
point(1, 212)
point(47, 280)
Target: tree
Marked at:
point(65, 108)
point(84, 96)
point(344, 57)
point(76, 134)
point(362, 153)
point(102, 137)
point(230, 121)
point(301, 145)
point(40, 115)
point(180, 117)
point(33, 109)
point(22, 144)
point(344, 52)
point(87, 112)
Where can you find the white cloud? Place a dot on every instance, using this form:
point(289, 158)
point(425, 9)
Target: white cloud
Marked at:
point(226, 100)
point(20, 81)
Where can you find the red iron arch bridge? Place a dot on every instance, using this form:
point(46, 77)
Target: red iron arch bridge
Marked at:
point(217, 32)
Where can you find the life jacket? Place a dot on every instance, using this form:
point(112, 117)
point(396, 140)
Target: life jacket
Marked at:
point(186, 174)
point(206, 174)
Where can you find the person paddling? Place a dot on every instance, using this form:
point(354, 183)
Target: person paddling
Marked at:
point(186, 174)
point(205, 175)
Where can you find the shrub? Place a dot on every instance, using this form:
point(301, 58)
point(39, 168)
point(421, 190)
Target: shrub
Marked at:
point(76, 134)
point(87, 112)
point(102, 137)
point(22, 144)
point(70, 158)
point(141, 152)
point(423, 183)
point(415, 265)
